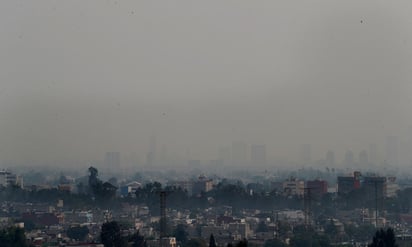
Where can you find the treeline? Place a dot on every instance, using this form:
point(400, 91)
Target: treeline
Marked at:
point(97, 193)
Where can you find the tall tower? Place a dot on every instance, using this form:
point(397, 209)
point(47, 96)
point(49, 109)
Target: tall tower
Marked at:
point(307, 201)
point(163, 223)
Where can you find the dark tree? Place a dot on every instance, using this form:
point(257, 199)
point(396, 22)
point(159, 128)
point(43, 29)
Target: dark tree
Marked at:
point(212, 241)
point(262, 227)
point(12, 237)
point(274, 243)
point(78, 232)
point(111, 235)
point(308, 237)
point(242, 243)
point(196, 242)
point(181, 234)
point(384, 238)
point(137, 240)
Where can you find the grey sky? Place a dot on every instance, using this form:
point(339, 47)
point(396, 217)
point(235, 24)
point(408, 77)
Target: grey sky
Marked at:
point(79, 78)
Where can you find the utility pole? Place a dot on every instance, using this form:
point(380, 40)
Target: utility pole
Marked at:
point(307, 203)
point(163, 195)
point(376, 204)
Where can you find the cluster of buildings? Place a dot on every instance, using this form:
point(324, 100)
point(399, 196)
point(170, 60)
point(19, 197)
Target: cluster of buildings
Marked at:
point(378, 186)
point(8, 178)
point(55, 218)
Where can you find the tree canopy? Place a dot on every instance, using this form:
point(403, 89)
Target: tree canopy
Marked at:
point(384, 238)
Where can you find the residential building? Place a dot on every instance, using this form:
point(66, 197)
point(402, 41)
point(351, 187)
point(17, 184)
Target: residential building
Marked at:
point(294, 186)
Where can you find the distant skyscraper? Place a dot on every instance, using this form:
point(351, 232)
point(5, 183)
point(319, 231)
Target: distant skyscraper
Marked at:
point(305, 154)
point(363, 158)
point(112, 161)
point(391, 150)
point(258, 154)
point(349, 158)
point(330, 159)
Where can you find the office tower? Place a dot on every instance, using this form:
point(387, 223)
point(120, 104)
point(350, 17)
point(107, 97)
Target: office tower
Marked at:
point(373, 154)
point(112, 162)
point(239, 153)
point(258, 154)
point(363, 158)
point(347, 184)
point(305, 154)
point(330, 159)
point(391, 150)
point(349, 158)
point(318, 188)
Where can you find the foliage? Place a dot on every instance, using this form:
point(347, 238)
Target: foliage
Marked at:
point(242, 243)
point(102, 191)
point(110, 235)
point(384, 238)
point(361, 233)
point(181, 234)
point(308, 237)
point(196, 242)
point(12, 237)
point(137, 240)
point(262, 227)
point(274, 243)
point(212, 241)
point(78, 232)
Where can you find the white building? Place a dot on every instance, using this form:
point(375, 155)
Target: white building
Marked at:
point(294, 186)
point(8, 179)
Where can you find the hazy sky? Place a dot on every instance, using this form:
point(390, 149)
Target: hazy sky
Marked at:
point(79, 78)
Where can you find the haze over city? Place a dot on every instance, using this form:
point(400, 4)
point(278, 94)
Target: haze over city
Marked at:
point(82, 78)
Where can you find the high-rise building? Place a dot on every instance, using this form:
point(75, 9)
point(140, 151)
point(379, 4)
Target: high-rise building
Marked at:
point(9, 179)
point(258, 154)
point(374, 186)
point(391, 150)
point(293, 186)
point(112, 161)
point(305, 154)
point(317, 187)
point(347, 184)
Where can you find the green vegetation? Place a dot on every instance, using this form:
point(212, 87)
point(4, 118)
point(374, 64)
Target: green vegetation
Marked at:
point(78, 232)
point(12, 237)
point(384, 238)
